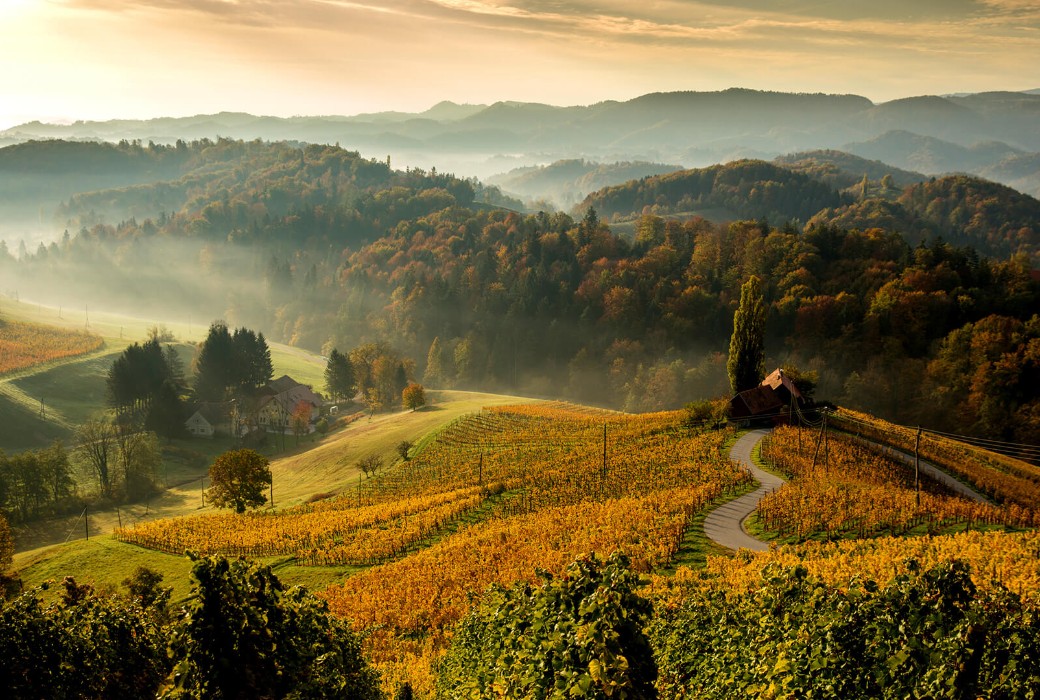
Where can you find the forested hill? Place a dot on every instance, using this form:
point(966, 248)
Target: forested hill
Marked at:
point(841, 170)
point(319, 247)
point(992, 218)
point(815, 188)
point(747, 189)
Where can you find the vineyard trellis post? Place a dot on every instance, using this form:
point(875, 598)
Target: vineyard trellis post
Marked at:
point(604, 451)
point(202, 489)
point(819, 441)
point(480, 470)
point(917, 466)
point(826, 444)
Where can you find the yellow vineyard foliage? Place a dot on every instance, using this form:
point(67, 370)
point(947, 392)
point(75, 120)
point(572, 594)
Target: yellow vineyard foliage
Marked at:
point(24, 345)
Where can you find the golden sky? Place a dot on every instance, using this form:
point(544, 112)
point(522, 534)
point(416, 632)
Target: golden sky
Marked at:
point(101, 59)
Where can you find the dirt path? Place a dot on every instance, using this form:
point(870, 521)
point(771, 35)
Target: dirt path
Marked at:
point(930, 470)
point(725, 524)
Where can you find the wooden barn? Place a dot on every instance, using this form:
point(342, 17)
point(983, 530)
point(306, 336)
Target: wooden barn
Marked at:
point(769, 402)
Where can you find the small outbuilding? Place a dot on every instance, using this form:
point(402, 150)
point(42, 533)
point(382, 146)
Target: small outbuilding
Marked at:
point(771, 401)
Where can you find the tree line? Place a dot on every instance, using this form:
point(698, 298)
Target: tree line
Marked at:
point(339, 252)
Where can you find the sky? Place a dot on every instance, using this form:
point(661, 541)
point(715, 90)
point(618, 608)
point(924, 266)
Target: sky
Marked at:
point(64, 60)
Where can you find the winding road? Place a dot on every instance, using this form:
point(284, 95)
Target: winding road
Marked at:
point(725, 524)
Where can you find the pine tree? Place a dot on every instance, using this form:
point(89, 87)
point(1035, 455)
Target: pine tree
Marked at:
point(746, 364)
point(339, 376)
point(215, 369)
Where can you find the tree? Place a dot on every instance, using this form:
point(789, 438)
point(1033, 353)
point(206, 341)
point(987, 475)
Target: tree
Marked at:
point(139, 458)
point(339, 376)
point(144, 587)
point(403, 449)
point(238, 479)
point(166, 414)
point(6, 545)
point(215, 364)
point(252, 360)
point(97, 445)
point(300, 419)
point(370, 465)
point(746, 364)
point(434, 374)
point(413, 396)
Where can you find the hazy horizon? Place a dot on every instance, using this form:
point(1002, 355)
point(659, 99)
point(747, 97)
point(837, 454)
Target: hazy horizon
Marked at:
point(72, 60)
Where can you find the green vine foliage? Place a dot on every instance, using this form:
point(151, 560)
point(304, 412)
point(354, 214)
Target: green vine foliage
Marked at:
point(79, 646)
point(928, 634)
point(579, 635)
point(245, 636)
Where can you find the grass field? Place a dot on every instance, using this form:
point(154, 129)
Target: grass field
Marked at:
point(47, 402)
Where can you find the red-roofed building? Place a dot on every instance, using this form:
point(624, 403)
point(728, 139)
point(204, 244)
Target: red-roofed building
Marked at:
point(771, 400)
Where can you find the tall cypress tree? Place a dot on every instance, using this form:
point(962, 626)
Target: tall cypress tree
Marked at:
point(434, 375)
point(746, 364)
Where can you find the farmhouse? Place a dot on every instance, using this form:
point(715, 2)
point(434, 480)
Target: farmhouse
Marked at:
point(208, 419)
point(279, 398)
point(772, 400)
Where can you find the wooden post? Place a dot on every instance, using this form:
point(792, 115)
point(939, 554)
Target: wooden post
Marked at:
point(86, 523)
point(480, 470)
point(202, 488)
point(826, 445)
point(604, 451)
point(917, 466)
point(359, 491)
point(819, 441)
point(120, 516)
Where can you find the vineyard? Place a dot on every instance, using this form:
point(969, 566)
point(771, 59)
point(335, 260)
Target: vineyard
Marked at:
point(858, 489)
point(498, 496)
point(23, 345)
point(523, 487)
point(1002, 478)
point(996, 559)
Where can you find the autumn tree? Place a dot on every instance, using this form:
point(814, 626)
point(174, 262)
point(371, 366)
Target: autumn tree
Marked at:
point(746, 364)
point(300, 419)
point(413, 396)
point(239, 478)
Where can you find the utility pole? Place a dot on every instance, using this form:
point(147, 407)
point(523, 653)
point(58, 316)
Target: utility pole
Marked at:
point(86, 523)
point(604, 451)
point(202, 488)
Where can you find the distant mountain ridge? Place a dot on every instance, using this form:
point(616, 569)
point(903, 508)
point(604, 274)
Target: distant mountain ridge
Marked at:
point(693, 128)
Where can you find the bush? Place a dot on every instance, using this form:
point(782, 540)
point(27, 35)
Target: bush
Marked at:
point(244, 636)
point(579, 635)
